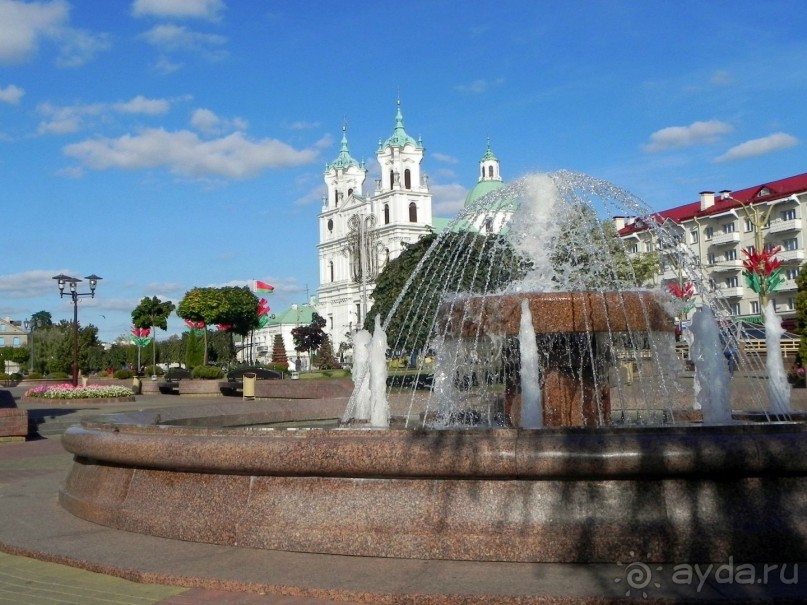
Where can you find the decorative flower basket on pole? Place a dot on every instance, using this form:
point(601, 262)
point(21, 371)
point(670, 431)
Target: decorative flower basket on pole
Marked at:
point(763, 272)
point(140, 337)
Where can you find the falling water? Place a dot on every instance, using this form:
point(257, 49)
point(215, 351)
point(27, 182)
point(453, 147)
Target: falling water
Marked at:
point(531, 404)
point(361, 376)
point(711, 370)
point(379, 406)
point(778, 387)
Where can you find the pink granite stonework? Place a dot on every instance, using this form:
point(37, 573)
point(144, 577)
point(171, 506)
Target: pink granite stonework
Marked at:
point(673, 494)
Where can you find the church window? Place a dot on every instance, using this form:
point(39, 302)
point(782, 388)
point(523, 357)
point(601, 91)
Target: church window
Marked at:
point(488, 225)
point(350, 192)
point(330, 268)
point(330, 225)
point(490, 171)
point(413, 213)
point(336, 198)
point(483, 172)
point(391, 179)
point(407, 179)
point(386, 214)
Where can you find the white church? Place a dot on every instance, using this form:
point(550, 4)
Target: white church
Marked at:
point(359, 232)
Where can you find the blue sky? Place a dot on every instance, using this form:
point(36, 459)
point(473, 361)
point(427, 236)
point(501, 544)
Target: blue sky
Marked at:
point(169, 144)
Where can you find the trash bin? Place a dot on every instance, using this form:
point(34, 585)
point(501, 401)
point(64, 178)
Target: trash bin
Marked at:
point(295, 375)
point(249, 385)
point(136, 386)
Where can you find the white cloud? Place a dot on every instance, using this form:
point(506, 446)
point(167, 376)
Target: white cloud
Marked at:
point(141, 104)
point(722, 78)
point(183, 152)
point(479, 86)
point(206, 121)
point(179, 9)
point(446, 159)
point(11, 94)
point(180, 38)
point(71, 118)
point(696, 133)
point(301, 125)
point(25, 25)
point(448, 199)
point(761, 146)
point(29, 283)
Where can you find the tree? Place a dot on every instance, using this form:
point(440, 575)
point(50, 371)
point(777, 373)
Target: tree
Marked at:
point(309, 338)
point(458, 262)
point(236, 308)
point(801, 311)
point(325, 358)
point(14, 355)
point(41, 320)
point(152, 313)
point(279, 351)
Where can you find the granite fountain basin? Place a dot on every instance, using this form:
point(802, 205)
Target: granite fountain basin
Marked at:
point(680, 493)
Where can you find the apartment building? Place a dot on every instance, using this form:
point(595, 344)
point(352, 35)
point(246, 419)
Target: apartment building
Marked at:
point(715, 230)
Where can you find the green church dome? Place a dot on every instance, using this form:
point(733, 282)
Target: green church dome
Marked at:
point(481, 189)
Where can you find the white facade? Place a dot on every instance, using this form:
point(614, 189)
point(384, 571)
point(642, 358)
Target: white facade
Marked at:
point(360, 233)
point(715, 231)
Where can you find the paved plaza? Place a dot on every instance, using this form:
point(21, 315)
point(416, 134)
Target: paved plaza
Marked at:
point(49, 556)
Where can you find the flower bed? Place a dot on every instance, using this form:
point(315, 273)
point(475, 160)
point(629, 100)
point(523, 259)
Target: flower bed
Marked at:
point(67, 392)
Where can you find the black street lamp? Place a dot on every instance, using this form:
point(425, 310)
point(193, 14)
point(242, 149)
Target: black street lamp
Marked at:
point(30, 327)
point(74, 294)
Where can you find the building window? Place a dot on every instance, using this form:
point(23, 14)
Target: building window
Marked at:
point(728, 227)
point(735, 308)
point(791, 243)
point(413, 212)
point(633, 249)
point(755, 307)
point(330, 225)
point(407, 179)
point(731, 255)
point(789, 215)
point(648, 246)
point(2, 341)
point(391, 179)
point(330, 318)
point(490, 171)
point(488, 225)
point(749, 226)
point(792, 272)
point(791, 303)
point(358, 316)
point(693, 236)
point(732, 282)
point(350, 192)
point(711, 259)
point(386, 214)
point(708, 233)
point(15, 342)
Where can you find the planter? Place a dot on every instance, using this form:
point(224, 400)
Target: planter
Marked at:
point(13, 424)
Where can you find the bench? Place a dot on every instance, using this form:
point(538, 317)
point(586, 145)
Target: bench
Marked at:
point(170, 383)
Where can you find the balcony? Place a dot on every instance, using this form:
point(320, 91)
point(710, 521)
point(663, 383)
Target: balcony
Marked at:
point(778, 226)
point(789, 255)
point(721, 239)
point(726, 265)
point(731, 292)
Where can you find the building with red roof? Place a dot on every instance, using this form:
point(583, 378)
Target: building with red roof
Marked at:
point(719, 227)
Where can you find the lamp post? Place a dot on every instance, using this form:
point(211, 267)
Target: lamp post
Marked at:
point(74, 294)
point(30, 327)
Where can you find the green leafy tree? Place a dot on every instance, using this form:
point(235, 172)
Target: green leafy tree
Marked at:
point(152, 313)
point(458, 262)
point(234, 307)
point(194, 349)
point(309, 338)
point(13, 355)
point(801, 312)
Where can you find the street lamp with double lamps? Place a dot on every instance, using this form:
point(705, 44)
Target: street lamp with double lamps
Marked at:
point(74, 294)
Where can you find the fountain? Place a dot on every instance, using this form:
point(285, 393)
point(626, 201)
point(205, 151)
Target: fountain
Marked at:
point(566, 456)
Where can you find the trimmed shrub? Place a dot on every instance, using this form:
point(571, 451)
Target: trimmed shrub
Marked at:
point(59, 375)
point(207, 372)
point(124, 374)
point(34, 376)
